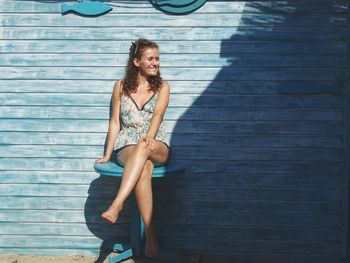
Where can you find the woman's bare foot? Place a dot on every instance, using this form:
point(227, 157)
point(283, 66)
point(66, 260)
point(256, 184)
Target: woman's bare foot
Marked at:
point(111, 214)
point(151, 248)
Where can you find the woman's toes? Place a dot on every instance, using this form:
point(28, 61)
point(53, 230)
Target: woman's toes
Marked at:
point(109, 216)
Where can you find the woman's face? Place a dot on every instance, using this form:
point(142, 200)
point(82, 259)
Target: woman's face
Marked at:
point(149, 62)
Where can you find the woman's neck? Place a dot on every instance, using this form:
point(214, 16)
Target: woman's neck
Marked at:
point(142, 81)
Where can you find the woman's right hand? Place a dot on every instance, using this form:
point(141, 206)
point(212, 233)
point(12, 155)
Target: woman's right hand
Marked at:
point(104, 159)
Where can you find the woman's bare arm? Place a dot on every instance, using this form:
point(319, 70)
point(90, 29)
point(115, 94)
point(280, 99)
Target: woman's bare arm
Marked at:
point(159, 110)
point(114, 124)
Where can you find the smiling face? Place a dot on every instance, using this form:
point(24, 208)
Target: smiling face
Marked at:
point(149, 62)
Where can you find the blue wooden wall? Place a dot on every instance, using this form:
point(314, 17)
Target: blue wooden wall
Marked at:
point(257, 115)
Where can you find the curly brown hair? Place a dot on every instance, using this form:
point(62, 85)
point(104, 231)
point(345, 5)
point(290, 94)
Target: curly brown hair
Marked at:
point(130, 78)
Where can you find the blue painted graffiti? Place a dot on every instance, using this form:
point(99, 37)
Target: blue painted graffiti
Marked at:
point(174, 7)
point(88, 8)
point(178, 7)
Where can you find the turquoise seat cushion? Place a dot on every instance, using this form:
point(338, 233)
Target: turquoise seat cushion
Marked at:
point(113, 169)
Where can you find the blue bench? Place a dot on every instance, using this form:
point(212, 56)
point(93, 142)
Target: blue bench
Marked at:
point(137, 233)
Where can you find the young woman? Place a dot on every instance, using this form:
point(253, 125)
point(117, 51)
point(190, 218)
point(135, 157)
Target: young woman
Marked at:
point(137, 133)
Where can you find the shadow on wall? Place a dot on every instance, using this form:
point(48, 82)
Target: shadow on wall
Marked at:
point(241, 138)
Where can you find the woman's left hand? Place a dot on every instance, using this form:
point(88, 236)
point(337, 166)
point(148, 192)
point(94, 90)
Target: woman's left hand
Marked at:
point(151, 143)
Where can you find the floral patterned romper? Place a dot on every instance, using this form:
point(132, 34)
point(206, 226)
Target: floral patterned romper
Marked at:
point(135, 122)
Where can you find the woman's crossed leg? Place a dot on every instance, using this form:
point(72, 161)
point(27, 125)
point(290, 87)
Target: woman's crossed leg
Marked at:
point(138, 161)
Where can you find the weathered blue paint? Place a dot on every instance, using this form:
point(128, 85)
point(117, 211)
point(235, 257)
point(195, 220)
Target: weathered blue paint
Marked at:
point(169, 33)
point(88, 8)
point(257, 113)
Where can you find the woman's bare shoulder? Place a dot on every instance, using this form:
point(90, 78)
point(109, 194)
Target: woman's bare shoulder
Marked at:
point(118, 87)
point(164, 87)
point(164, 84)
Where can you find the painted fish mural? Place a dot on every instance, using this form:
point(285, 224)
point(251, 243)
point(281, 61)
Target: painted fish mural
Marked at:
point(174, 7)
point(177, 7)
point(87, 8)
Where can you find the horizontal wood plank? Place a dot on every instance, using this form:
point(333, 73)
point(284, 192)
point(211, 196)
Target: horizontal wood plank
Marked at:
point(259, 233)
point(200, 153)
point(224, 48)
point(202, 219)
point(325, 181)
point(162, 205)
point(174, 113)
point(163, 20)
point(177, 60)
point(62, 229)
point(178, 100)
point(228, 73)
point(199, 166)
point(199, 127)
point(190, 192)
point(218, 87)
point(184, 33)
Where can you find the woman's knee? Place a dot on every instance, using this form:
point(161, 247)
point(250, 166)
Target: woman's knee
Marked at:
point(143, 147)
point(161, 155)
